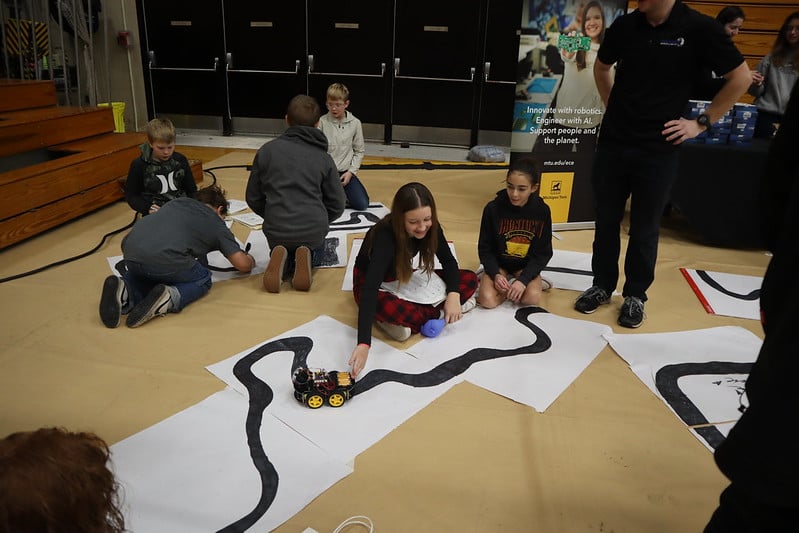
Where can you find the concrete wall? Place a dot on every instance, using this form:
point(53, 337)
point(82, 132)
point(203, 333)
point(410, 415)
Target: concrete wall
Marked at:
point(119, 72)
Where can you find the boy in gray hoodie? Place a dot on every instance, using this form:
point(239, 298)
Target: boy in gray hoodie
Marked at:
point(294, 185)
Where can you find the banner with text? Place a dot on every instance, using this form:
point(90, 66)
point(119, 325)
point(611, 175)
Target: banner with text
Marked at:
point(558, 110)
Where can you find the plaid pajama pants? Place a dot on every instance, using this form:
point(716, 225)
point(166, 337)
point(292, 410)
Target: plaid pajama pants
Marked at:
point(395, 310)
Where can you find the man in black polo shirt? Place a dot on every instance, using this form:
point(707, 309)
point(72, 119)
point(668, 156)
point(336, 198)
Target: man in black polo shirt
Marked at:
point(659, 51)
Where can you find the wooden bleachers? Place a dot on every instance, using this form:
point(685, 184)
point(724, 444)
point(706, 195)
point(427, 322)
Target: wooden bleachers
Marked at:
point(57, 162)
point(23, 94)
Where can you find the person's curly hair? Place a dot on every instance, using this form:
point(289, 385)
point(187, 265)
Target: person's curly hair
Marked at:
point(213, 195)
point(56, 481)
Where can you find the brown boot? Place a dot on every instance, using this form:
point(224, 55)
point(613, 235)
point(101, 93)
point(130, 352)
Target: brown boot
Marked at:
point(303, 276)
point(273, 276)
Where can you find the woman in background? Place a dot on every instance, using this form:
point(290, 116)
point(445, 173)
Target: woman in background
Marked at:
point(579, 107)
point(731, 19)
point(775, 77)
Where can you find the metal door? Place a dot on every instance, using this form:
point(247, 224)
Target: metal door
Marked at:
point(182, 55)
point(435, 68)
point(350, 42)
point(265, 66)
point(498, 80)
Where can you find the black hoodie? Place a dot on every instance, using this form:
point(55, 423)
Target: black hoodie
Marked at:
point(151, 181)
point(515, 238)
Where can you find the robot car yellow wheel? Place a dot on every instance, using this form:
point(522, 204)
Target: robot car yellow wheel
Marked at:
point(335, 400)
point(314, 401)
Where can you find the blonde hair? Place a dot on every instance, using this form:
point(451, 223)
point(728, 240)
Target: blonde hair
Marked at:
point(338, 91)
point(160, 130)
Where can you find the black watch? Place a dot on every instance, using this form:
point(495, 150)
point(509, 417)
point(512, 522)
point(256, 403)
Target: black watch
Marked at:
point(704, 120)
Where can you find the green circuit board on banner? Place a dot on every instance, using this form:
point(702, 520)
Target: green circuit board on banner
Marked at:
point(574, 43)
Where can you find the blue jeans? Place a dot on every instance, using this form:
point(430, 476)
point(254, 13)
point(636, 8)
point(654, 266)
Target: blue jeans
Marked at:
point(357, 197)
point(192, 283)
point(622, 172)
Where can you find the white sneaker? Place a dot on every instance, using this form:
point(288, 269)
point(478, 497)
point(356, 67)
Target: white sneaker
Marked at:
point(395, 331)
point(545, 284)
point(469, 304)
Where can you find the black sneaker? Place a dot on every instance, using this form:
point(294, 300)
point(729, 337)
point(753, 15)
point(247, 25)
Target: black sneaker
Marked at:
point(632, 312)
point(113, 301)
point(591, 299)
point(156, 303)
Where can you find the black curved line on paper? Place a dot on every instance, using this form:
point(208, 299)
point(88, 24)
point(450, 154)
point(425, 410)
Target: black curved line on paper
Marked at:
point(260, 395)
point(666, 383)
point(565, 270)
point(351, 228)
point(752, 296)
point(355, 217)
point(458, 365)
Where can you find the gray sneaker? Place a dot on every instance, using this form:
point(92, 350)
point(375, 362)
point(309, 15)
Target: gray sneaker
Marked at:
point(632, 312)
point(591, 299)
point(156, 303)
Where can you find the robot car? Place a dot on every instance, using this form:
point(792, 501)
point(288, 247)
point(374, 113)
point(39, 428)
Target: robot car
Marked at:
point(315, 386)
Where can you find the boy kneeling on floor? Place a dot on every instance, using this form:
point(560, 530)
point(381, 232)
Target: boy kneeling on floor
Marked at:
point(164, 267)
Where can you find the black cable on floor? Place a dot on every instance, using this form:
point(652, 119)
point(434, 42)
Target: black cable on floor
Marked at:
point(70, 259)
point(107, 235)
point(246, 167)
point(210, 170)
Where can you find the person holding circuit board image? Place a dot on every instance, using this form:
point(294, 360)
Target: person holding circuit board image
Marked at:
point(578, 107)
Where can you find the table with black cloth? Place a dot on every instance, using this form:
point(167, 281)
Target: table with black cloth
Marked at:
point(717, 190)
